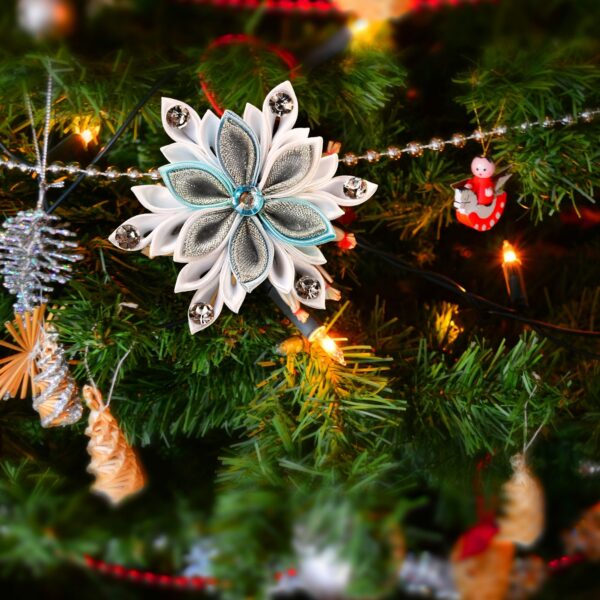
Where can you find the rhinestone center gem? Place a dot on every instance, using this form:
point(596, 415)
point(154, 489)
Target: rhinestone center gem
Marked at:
point(248, 200)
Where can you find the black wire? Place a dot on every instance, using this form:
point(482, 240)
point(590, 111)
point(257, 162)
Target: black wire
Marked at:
point(130, 117)
point(483, 304)
point(6, 151)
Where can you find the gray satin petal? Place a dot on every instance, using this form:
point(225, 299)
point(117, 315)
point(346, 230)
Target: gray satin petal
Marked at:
point(294, 220)
point(248, 252)
point(237, 149)
point(207, 232)
point(290, 168)
point(197, 187)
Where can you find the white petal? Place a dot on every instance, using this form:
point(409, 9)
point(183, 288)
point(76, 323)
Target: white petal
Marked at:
point(254, 118)
point(290, 300)
point(325, 172)
point(309, 254)
point(326, 203)
point(233, 293)
point(184, 152)
point(166, 234)
point(145, 224)
point(208, 137)
point(282, 271)
point(286, 122)
point(336, 187)
point(199, 273)
point(298, 135)
point(306, 170)
point(188, 133)
point(211, 294)
point(303, 268)
point(156, 198)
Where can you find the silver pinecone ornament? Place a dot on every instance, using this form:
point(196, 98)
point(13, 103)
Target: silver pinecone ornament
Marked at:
point(34, 255)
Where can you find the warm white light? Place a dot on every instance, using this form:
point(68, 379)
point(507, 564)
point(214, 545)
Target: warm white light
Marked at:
point(359, 26)
point(87, 136)
point(328, 344)
point(86, 129)
point(509, 254)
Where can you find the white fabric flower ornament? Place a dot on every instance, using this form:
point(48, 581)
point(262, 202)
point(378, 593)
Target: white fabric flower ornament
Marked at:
point(245, 200)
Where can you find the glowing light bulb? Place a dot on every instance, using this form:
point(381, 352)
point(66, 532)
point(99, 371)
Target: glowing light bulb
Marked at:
point(87, 136)
point(86, 130)
point(509, 254)
point(370, 33)
point(359, 26)
point(513, 276)
point(327, 343)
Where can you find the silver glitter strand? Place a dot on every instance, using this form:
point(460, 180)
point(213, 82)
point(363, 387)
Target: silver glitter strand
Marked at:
point(427, 576)
point(57, 389)
point(34, 255)
point(42, 156)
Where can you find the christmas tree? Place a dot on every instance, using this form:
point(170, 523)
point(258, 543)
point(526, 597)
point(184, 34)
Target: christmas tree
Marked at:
point(188, 417)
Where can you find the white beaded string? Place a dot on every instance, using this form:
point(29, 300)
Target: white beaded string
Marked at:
point(413, 149)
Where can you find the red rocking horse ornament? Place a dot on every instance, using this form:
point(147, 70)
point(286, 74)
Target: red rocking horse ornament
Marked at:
point(480, 200)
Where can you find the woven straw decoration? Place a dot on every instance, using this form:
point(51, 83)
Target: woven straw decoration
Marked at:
point(484, 576)
point(18, 370)
point(523, 516)
point(113, 462)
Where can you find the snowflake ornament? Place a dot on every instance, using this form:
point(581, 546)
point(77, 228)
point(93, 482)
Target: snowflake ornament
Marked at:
point(244, 200)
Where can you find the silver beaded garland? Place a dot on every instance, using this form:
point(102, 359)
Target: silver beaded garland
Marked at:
point(33, 256)
point(127, 236)
point(308, 288)
point(178, 116)
point(201, 313)
point(355, 188)
point(281, 104)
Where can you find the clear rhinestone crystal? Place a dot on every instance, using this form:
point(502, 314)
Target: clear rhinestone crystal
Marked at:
point(281, 103)
point(178, 116)
point(308, 288)
point(355, 188)
point(248, 200)
point(127, 237)
point(201, 313)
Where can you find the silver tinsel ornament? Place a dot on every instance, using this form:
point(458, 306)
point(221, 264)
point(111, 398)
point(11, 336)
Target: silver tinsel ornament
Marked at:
point(56, 397)
point(427, 576)
point(34, 255)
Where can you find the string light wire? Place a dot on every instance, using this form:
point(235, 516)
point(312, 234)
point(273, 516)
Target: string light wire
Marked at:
point(483, 304)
